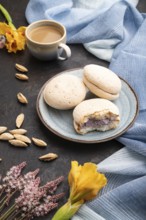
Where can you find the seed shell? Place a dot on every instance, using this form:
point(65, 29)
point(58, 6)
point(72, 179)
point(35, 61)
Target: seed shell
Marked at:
point(6, 136)
point(0, 159)
point(22, 77)
point(18, 131)
point(2, 129)
point(21, 68)
point(19, 120)
point(39, 142)
point(48, 157)
point(21, 98)
point(18, 143)
point(22, 138)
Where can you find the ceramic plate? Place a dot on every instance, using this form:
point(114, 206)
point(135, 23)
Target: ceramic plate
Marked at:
point(61, 122)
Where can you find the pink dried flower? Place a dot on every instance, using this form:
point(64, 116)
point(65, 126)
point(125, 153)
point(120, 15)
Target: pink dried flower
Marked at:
point(27, 178)
point(31, 175)
point(33, 200)
point(29, 196)
point(55, 198)
point(51, 186)
point(10, 180)
point(49, 202)
point(44, 209)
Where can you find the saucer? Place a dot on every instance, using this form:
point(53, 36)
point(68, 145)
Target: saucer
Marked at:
point(60, 122)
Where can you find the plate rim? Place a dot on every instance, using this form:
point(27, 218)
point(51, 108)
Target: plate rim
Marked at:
point(79, 140)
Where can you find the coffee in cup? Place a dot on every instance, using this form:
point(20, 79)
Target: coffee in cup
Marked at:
point(46, 40)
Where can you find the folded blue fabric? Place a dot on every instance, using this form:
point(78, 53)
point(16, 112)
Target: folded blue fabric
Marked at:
point(116, 33)
point(124, 197)
point(83, 20)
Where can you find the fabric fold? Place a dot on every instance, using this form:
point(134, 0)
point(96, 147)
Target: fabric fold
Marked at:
point(83, 21)
point(124, 195)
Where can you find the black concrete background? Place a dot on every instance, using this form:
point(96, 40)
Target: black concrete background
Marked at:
point(39, 73)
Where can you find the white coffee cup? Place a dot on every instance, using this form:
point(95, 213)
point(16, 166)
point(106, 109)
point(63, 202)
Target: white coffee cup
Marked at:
point(46, 40)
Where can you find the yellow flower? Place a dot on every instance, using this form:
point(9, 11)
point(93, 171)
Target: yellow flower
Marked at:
point(15, 38)
point(85, 183)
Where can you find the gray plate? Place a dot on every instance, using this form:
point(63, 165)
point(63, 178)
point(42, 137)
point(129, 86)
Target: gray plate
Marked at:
point(61, 122)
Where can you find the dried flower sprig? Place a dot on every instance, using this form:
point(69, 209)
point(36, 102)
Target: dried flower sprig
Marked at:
point(33, 200)
point(10, 183)
point(10, 37)
point(85, 183)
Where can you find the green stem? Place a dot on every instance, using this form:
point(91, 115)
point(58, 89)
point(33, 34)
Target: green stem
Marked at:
point(1, 192)
point(25, 217)
point(21, 218)
point(7, 16)
point(13, 216)
point(8, 213)
point(2, 200)
point(67, 210)
point(12, 26)
point(5, 199)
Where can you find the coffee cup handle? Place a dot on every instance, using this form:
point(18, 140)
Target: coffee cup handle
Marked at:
point(67, 51)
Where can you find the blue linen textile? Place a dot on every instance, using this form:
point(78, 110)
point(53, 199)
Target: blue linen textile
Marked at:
point(83, 20)
point(116, 33)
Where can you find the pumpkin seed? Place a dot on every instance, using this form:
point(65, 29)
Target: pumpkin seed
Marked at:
point(19, 120)
point(18, 143)
point(21, 98)
point(39, 142)
point(22, 138)
point(6, 136)
point(2, 129)
point(48, 157)
point(22, 77)
point(18, 131)
point(21, 68)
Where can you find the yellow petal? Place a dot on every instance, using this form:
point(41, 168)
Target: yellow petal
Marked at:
point(15, 38)
point(74, 173)
point(21, 29)
point(4, 28)
point(85, 182)
point(15, 41)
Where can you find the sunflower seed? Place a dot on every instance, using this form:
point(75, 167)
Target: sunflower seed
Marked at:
point(18, 143)
point(19, 120)
point(22, 98)
point(2, 129)
point(22, 77)
point(18, 131)
point(22, 138)
point(6, 136)
point(0, 159)
point(21, 68)
point(48, 157)
point(39, 142)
